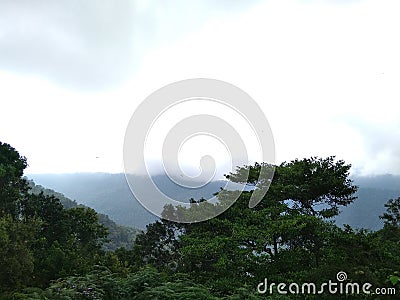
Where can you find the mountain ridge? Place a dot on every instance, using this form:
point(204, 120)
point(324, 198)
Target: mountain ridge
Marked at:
point(110, 194)
point(119, 235)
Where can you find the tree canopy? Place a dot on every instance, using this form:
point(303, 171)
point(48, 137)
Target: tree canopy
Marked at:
point(50, 251)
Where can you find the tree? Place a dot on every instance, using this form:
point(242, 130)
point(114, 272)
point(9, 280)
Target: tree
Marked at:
point(50, 211)
point(157, 246)
point(84, 227)
point(311, 186)
point(12, 165)
point(392, 214)
point(68, 245)
point(391, 228)
point(36, 232)
point(16, 257)
point(308, 184)
point(314, 182)
point(241, 243)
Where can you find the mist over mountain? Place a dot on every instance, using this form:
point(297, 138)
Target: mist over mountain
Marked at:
point(110, 194)
point(373, 193)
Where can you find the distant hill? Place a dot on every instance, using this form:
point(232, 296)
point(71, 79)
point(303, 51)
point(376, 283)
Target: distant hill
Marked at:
point(373, 193)
point(110, 194)
point(119, 236)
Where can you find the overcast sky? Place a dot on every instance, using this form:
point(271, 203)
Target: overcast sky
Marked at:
point(325, 73)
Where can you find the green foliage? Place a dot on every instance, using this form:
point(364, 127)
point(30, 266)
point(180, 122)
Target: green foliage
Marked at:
point(12, 166)
point(157, 246)
point(394, 279)
point(70, 239)
point(309, 183)
point(39, 239)
point(176, 290)
point(118, 236)
point(286, 238)
point(38, 189)
point(102, 284)
point(16, 259)
point(392, 215)
point(54, 249)
point(97, 284)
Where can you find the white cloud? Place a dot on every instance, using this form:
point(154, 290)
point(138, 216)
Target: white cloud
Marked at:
point(91, 45)
point(307, 65)
point(313, 66)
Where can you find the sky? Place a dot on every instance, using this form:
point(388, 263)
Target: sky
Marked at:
point(326, 75)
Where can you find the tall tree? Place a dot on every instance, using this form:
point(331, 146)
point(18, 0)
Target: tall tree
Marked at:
point(392, 214)
point(12, 166)
point(315, 186)
point(37, 232)
point(241, 243)
point(16, 257)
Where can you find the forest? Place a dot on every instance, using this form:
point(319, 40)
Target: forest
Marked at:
point(280, 249)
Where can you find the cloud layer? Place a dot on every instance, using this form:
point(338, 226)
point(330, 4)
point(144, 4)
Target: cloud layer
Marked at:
point(92, 44)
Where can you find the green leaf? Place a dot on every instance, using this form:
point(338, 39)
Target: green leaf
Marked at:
point(394, 279)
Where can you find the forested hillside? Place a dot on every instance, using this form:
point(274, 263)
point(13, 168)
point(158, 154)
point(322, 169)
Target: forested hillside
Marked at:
point(118, 235)
point(287, 247)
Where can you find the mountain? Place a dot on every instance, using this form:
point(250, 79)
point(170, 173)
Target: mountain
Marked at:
point(119, 236)
point(373, 193)
point(110, 194)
